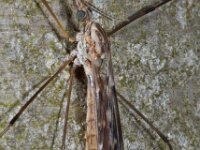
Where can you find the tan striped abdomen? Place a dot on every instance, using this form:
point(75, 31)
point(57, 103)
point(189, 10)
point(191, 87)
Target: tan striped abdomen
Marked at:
point(91, 121)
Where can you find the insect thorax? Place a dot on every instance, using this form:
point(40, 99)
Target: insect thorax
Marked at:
point(91, 48)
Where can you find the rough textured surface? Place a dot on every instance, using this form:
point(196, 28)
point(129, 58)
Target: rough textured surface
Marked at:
point(156, 65)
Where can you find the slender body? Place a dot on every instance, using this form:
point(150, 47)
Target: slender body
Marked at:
point(103, 122)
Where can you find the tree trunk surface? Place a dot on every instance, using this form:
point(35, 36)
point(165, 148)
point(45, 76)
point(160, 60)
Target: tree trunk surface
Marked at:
point(156, 67)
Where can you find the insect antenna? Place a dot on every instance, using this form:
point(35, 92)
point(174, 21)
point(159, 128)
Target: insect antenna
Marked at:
point(23, 108)
point(67, 108)
point(98, 10)
point(162, 136)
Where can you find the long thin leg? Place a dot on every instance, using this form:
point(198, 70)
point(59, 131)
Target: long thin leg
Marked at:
point(23, 108)
point(130, 19)
point(53, 28)
point(139, 125)
point(162, 136)
point(23, 97)
point(57, 120)
point(35, 86)
point(137, 15)
point(64, 33)
point(67, 108)
point(68, 13)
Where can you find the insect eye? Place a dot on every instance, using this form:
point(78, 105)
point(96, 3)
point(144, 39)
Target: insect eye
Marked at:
point(80, 15)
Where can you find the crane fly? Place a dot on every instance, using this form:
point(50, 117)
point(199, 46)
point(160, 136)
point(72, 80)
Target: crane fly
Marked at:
point(103, 127)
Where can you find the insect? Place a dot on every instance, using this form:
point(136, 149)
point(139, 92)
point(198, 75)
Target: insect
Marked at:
point(39, 146)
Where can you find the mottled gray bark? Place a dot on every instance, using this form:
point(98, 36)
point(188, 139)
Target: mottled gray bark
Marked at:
point(156, 65)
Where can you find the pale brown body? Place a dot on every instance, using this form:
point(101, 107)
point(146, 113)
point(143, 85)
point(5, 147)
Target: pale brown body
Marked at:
point(103, 125)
